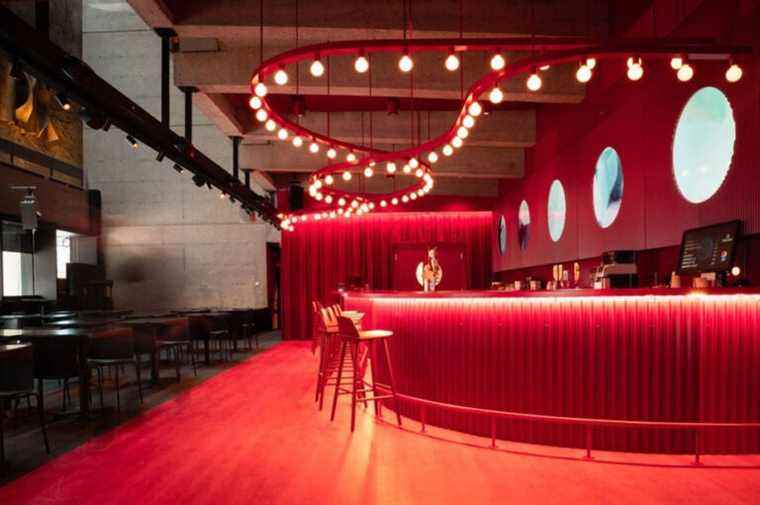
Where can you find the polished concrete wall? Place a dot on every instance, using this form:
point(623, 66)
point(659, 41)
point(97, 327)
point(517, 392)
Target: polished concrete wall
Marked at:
point(166, 243)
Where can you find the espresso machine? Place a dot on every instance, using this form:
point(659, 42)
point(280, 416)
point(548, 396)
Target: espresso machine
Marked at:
point(617, 270)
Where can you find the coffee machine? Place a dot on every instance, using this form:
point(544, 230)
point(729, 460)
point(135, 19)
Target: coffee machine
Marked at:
point(617, 270)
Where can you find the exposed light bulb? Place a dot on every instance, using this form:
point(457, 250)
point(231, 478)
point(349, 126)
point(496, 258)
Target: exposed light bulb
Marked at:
point(432, 157)
point(496, 95)
point(591, 63)
point(676, 62)
point(282, 134)
point(341, 202)
point(368, 172)
point(394, 201)
point(534, 82)
point(351, 158)
point(583, 74)
point(317, 69)
point(318, 184)
point(447, 150)
point(383, 203)
point(297, 141)
point(260, 90)
point(413, 163)
point(419, 173)
point(281, 77)
point(413, 196)
point(332, 153)
point(462, 132)
point(404, 199)
point(407, 169)
point(497, 61)
point(329, 179)
point(261, 115)
point(313, 148)
point(457, 142)
point(452, 62)
point(346, 175)
point(270, 125)
point(354, 204)
point(685, 73)
point(468, 121)
point(734, 73)
point(475, 109)
point(319, 196)
point(391, 167)
point(361, 64)
point(635, 69)
point(405, 63)
point(255, 103)
point(328, 199)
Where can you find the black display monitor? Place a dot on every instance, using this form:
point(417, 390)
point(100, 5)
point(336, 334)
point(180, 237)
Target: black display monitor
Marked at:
point(709, 249)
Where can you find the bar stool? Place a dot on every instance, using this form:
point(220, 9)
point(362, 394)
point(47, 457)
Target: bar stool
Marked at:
point(350, 340)
point(329, 346)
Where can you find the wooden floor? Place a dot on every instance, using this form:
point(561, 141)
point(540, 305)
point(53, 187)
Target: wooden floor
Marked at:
point(252, 435)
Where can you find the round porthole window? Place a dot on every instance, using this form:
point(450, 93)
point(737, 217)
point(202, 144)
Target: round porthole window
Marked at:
point(703, 145)
point(556, 210)
point(523, 225)
point(501, 234)
point(607, 187)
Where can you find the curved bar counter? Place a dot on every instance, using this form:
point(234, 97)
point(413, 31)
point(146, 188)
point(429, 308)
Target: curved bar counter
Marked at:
point(640, 355)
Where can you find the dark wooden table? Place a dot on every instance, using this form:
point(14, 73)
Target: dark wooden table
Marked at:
point(82, 323)
point(78, 337)
point(153, 325)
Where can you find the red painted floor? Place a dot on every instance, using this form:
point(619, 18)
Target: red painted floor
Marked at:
point(252, 435)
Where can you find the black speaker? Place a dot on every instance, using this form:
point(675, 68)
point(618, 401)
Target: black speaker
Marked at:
point(295, 197)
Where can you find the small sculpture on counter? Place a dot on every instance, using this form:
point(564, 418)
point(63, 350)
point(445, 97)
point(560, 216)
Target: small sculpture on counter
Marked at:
point(429, 273)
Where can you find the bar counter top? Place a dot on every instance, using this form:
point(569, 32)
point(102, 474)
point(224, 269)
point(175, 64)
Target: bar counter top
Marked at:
point(559, 293)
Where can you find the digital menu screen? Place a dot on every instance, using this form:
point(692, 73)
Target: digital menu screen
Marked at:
point(709, 249)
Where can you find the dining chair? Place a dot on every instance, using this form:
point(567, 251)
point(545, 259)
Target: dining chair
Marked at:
point(114, 348)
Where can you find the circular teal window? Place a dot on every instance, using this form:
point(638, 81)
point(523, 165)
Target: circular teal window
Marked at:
point(608, 187)
point(703, 144)
point(556, 210)
point(523, 225)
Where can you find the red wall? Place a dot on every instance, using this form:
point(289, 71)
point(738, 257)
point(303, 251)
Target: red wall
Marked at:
point(638, 119)
point(317, 255)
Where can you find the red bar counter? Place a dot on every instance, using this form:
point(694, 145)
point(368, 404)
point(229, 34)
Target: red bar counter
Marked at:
point(654, 355)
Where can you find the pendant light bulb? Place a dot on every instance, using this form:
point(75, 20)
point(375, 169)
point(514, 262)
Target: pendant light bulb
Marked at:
point(685, 73)
point(498, 62)
point(317, 69)
point(281, 77)
point(452, 61)
point(534, 82)
point(496, 96)
point(405, 63)
point(361, 64)
point(734, 73)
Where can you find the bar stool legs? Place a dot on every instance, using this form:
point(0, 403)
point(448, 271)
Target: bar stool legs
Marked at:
point(359, 388)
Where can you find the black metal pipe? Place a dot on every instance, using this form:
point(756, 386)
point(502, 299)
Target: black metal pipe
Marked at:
point(247, 175)
point(188, 91)
point(236, 157)
point(166, 35)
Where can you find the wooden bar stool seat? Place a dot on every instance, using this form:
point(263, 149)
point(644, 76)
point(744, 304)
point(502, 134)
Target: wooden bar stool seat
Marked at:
point(362, 347)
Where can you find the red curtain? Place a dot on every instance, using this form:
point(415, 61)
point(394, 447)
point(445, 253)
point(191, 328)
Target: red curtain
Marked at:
point(319, 255)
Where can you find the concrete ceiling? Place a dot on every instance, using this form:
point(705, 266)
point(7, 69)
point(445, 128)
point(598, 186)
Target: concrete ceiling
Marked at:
point(219, 49)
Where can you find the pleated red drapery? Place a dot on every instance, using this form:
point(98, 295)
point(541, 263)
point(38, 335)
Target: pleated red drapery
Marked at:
point(319, 255)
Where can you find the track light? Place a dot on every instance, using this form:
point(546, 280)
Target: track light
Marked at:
point(178, 168)
point(405, 63)
point(361, 64)
point(734, 73)
point(63, 101)
point(198, 179)
point(132, 142)
point(452, 61)
point(160, 157)
point(317, 69)
point(498, 62)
